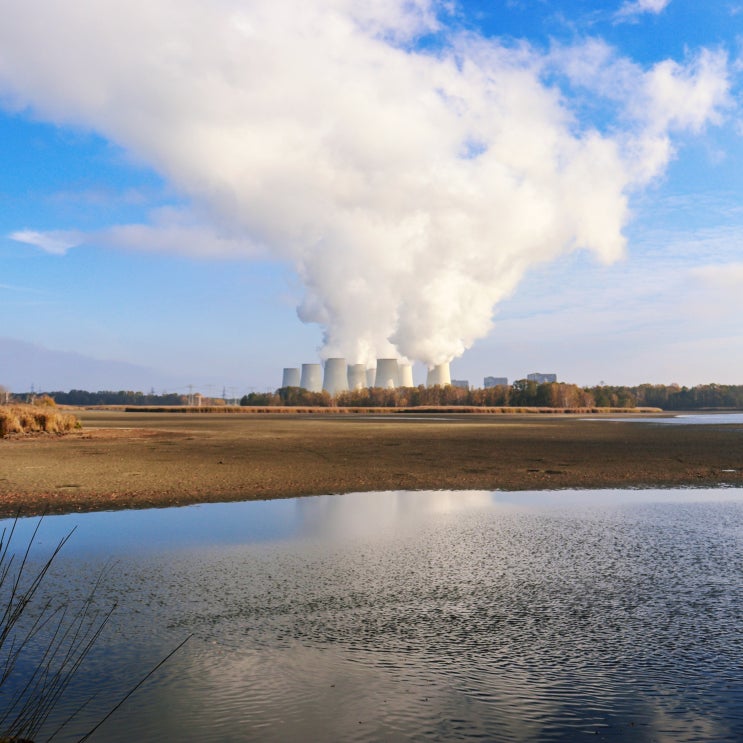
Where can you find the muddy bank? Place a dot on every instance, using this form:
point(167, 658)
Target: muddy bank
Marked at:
point(139, 460)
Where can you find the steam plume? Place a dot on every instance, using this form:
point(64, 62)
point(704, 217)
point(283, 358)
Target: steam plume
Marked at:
point(411, 185)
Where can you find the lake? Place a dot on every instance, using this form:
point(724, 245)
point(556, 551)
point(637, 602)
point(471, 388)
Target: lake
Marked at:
point(530, 616)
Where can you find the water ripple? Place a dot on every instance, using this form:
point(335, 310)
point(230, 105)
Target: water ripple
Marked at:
point(531, 624)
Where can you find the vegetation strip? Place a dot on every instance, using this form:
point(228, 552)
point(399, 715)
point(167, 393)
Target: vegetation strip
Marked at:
point(522, 393)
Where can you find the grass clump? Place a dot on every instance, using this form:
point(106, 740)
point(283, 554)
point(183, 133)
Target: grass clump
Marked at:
point(29, 419)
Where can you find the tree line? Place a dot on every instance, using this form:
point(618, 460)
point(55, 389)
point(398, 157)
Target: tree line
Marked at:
point(522, 393)
point(109, 397)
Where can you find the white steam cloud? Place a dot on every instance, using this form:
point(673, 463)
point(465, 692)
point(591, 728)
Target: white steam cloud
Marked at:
point(411, 185)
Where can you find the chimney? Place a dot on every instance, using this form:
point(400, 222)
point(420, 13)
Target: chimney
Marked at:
point(291, 377)
point(311, 377)
point(335, 380)
point(387, 375)
point(439, 375)
point(406, 375)
point(357, 377)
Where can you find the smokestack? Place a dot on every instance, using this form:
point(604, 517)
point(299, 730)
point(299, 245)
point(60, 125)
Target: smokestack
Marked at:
point(335, 379)
point(311, 377)
point(291, 377)
point(357, 377)
point(370, 376)
point(388, 375)
point(439, 375)
point(406, 375)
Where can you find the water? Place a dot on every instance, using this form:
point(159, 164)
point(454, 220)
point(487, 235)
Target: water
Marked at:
point(688, 419)
point(417, 616)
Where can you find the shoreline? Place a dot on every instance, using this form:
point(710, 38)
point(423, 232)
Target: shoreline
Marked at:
point(141, 459)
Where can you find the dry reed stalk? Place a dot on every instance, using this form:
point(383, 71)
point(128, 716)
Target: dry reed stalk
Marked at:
point(56, 634)
point(26, 419)
point(62, 635)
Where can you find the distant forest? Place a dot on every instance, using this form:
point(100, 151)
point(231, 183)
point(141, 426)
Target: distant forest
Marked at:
point(106, 397)
point(521, 393)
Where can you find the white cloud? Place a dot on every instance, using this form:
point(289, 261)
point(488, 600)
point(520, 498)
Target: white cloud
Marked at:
point(651, 105)
point(177, 231)
point(411, 189)
point(726, 277)
point(169, 231)
point(666, 97)
point(633, 8)
point(653, 317)
point(198, 242)
point(56, 242)
point(686, 96)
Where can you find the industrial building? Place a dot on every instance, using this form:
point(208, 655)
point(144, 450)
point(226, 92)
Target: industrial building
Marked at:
point(540, 378)
point(335, 376)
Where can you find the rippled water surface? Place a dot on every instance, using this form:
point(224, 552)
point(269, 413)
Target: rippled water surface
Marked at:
point(417, 616)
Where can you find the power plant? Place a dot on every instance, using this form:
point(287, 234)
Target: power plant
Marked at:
point(335, 376)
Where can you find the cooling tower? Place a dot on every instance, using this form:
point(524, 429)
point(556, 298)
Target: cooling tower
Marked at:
point(438, 375)
point(291, 377)
point(335, 380)
point(357, 376)
point(370, 377)
point(388, 375)
point(311, 377)
point(406, 375)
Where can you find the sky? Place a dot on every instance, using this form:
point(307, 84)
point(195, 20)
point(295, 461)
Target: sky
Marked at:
point(203, 194)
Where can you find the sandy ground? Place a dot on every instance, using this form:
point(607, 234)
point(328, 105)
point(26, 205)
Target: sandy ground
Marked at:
point(139, 460)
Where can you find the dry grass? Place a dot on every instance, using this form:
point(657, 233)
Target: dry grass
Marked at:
point(28, 419)
point(140, 460)
point(309, 410)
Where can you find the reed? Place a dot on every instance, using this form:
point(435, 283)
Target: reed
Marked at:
point(391, 411)
point(44, 641)
point(52, 634)
point(29, 419)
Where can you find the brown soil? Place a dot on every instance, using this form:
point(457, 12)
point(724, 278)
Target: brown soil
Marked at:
point(139, 460)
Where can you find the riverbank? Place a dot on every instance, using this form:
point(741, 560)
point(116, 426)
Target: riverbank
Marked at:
point(139, 460)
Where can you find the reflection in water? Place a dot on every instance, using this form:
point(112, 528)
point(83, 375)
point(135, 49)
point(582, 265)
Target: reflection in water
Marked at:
point(426, 616)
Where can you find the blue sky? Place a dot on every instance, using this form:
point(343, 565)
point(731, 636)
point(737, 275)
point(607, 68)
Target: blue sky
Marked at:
point(169, 196)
